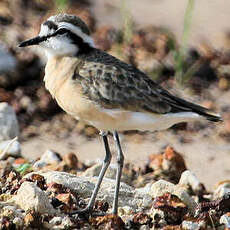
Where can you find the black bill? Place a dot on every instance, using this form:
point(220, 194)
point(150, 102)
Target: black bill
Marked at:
point(33, 41)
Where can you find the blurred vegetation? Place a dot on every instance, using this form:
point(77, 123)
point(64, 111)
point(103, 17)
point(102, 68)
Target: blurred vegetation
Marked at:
point(181, 74)
point(127, 22)
point(61, 5)
point(183, 71)
point(24, 168)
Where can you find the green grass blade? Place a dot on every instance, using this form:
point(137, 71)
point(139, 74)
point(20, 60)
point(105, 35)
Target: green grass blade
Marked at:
point(180, 55)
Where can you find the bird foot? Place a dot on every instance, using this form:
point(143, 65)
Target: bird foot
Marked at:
point(86, 213)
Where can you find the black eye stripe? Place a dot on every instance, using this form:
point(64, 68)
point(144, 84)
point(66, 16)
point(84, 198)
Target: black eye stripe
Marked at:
point(61, 31)
point(83, 46)
point(51, 25)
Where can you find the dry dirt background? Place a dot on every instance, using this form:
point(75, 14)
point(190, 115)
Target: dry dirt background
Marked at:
point(210, 18)
point(205, 153)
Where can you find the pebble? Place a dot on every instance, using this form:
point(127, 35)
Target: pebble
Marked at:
point(222, 189)
point(189, 180)
point(10, 148)
point(189, 225)
point(8, 122)
point(161, 187)
point(31, 197)
point(225, 219)
point(7, 61)
point(18, 222)
point(110, 173)
point(56, 220)
point(48, 157)
point(7, 210)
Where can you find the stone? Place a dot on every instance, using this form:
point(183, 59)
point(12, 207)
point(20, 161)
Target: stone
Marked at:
point(190, 225)
point(222, 189)
point(11, 212)
point(7, 61)
point(161, 187)
point(63, 222)
point(10, 148)
point(93, 171)
point(110, 173)
point(134, 198)
point(172, 207)
point(31, 197)
point(189, 180)
point(225, 219)
point(48, 157)
point(18, 222)
point(8, 122)
point(159, 217)
point(170, 163)
point(109, 221)
point(56, 220)
point(72, 161)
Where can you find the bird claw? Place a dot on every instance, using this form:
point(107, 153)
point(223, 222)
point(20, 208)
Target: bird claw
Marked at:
point(86, 213)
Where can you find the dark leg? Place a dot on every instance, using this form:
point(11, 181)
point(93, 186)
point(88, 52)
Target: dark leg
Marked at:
point(120, 162)
point(105, 165)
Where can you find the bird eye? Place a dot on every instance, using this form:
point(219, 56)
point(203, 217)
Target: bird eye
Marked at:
point(61, 31)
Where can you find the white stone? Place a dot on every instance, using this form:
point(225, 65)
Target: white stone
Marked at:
point(56, 220)
point(189, 225)
point(31, 197)
point(188, 178)
point(161, 187)
point(110, 173)
point(18, 222)
point(10, 148)
point(66, 222)
point(128, 196)
point(60, 222)
point(225, 220)
point(221, 190)
point(16, 214)
point(8, 122)
point(48, 157)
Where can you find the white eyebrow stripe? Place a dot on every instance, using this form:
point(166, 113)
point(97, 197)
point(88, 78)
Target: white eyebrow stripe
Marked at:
point(86, 38)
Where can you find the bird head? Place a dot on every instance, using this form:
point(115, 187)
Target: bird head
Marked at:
point(62, 35)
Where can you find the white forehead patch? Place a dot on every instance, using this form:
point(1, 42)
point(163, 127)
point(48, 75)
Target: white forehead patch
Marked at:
point(52, 18)
point(45, 30)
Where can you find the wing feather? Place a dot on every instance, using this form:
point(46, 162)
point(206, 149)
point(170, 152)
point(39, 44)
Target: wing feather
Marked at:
point(112, 83)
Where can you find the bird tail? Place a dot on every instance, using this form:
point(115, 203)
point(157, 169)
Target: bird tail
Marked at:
point(212, 117)
point(179, 104)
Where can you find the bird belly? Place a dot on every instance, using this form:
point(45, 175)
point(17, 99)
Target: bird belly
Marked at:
point(127, 120)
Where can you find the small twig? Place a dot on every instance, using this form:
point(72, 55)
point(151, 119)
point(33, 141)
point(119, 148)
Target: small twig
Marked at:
point(213, 225)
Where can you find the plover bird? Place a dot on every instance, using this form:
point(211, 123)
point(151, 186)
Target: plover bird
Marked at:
point(105, 92)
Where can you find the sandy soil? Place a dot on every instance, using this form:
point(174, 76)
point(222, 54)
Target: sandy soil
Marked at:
point(206, 154)
point(207, 157)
